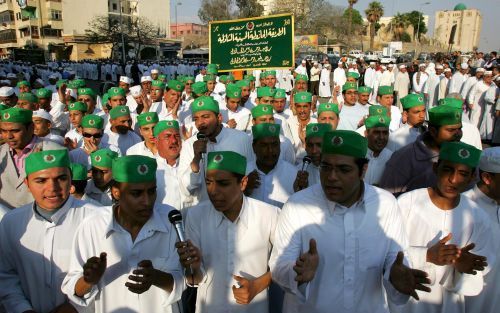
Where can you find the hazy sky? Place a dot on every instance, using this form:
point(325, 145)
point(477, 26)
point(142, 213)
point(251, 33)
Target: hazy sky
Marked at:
point(187, 11)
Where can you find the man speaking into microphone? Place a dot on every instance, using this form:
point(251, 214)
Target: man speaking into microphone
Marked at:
point(229, 241)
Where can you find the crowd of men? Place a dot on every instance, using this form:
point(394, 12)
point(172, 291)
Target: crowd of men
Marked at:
point(303, 190)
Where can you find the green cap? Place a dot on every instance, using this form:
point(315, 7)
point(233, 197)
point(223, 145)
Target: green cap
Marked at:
point(17, 115)
point(377, 110)
point(199, 88)
point(302, 97)
point(116, 91)
point(103, 158)
point(105, 98)
point(78, 171)
point(280, 93)
point(92, 121)
point(23, 83)
point(301, 77)
point(188, 78)
point(230, 78)
point(209, 77)
point(38, 161)
point(344, 142)
point(349, 86)
point(328, 107)
point(243, 83)
point(265, 130)
point(452, 102)
point(175, 85)
point(364, 89)
point(317, 129)
point(60, 82)
point(205, 103)
point(162, 77)
point(353, 75)
point(233, 91)
point(78, 106)
point(461, 153)
point(412, 100)
point(28, 96)
point(445, 115)
point(261, 110)
point(377, 121)
point(119, 111)
point(265, 92)
point(147, 118)
point(87, 92)
point(227, 161)
point(158, 83)
point(78, 83)
point(249, 77)
point(164, 125)
point(385, 90)
point(223, 78)
point(262, 75)
point(43, 93)
point(134, 169)
point(270, 73)
point(212, 69)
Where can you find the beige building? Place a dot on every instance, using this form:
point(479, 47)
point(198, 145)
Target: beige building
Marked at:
point(467, 31)
point(296, 7)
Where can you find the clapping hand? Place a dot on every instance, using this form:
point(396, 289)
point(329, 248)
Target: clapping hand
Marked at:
point(407, 280)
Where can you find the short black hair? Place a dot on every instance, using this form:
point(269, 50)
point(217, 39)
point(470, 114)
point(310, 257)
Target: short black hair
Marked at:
point(361, 162)
point(79, 185)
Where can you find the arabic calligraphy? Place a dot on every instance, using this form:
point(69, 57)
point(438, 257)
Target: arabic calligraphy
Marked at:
point(251, 35)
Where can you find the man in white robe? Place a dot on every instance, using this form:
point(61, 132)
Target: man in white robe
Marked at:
point(377, 135)
point(401, 84)
point(458, 79)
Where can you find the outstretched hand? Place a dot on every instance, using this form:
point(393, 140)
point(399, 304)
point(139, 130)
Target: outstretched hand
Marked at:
point(307, 264)
point(407, 280)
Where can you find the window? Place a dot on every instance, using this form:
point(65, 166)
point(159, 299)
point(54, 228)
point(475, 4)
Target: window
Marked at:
point(49, 32)
point(182, 32)
point(18, 16)
point(115, 7)
point(56, 15)
point(197, 32)
point(188, 32)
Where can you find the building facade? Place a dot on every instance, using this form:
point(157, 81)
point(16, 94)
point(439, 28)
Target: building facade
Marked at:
point(181, 30)
point(297, 7)
point(462, 25)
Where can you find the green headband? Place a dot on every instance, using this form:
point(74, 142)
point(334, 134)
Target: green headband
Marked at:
point(302, 97)
point(17, 115)
point(205, 103)
point(147, 118)
point(28, 96)
point(445, 115)
point(43, 93)
point(328, 107)
point(227, 161)
point(164, 125)
point(92, 121)
point(116, 91)
point(78, 106)
point(78, 171)
point(344, 142)
point(261, 110)
point(264, 130)
point(119, 111)
point(103, 158)
point(134, 169)
point(461, 153)
point(317, 129)
point(38, 161)
point(377, 121)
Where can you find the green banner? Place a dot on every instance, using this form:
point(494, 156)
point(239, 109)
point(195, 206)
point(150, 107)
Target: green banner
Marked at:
point(252, 43)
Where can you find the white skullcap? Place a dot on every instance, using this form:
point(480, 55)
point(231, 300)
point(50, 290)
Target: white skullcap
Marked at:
point(315, 63)
point(402, 66)
point(135, 91)
point(154, 71)
point(464, 66)
point(372, 63)
point(447, 69)
point(390, 65)
point(52, 76)
point(340, 62)
point(146, 79)
point(71, 92)
point(11, 75)
point(422, 65)
point(490, 160)
point(5, 81)
point(480, 70)
point(488, 73)
point(40, 81)
point(126, 80)
point(497, 79)
point(304, 61)
point(383, 67)
point(439, 67)
point(6, 91)
point(42, 114)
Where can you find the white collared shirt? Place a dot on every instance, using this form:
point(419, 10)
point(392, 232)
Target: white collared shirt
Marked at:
point(293, 125)
point(140, 149)
point(276, 186)
point(242, 117)
point(155, 242)
point(168, 184)
point(230, 248)
point(376, 166)
point(35, 255)
point(122, 141)
point(94, 193)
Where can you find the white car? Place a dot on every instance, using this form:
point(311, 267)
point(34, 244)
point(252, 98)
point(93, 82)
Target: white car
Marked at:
point(371, 56)
point(358, 54)
point(386, 59)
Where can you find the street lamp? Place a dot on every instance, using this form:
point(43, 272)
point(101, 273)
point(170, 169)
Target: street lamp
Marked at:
point(418, 26)
point(177, 3)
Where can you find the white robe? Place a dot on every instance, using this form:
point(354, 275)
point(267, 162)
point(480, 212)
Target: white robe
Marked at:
point(276, 186)
point(350, 116)
point(457, 81)
point(376, 166)
point(324, 84)
point(476, 99)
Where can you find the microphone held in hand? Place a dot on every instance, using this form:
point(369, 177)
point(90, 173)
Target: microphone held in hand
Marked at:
point(305, 162)
point(201, 136)
point(175, 217)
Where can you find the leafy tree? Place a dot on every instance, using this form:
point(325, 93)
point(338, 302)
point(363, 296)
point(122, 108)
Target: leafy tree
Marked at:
point(357, 19)
point(249, 8)
point(215, 10)
point(398, 25)
point(373, 13)
point(405, 37)
point(414, 17)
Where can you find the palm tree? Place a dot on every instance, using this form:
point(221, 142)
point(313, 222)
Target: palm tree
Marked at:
point(398, 25)
point(351, 4)
point(373, 13)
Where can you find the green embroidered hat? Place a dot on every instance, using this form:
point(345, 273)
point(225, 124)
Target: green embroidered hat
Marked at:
point(265, 92)
point(364, 89)
point(385, 90)
point(461, 153)
point(377, 121)
point(199, 88)
point(60, 82)
point(147, 118)
point(233, 91)
point(205, 103)
point(249, 77)
point(302, 97)
point(280, 94)
point(212, 69)
point(223, 78)
point(209, 77)
point(17, 115)
point(158, 83)
point(78, 171)
point(28, 96)
point(92, 121)
point(189, 78)
point(261, 110)
point(349, 86)
point(78, 106)
point(445, 115)
point(119, 111)
point(78, 83)
point(412, 100)
point(230, 78)
point(344, 142)
point(262, 75)
point(87, 92)
point(243, 83)
point(353, 75)
point(270, 73)
point(105, 98)
point(317, 129)
point(328, 107)
point(164, 125)
point(263, 130)
point(227, 161)
point(377, 110)
point(23, 83)
point(175, 85)
point(452, 102)
point(103, 158)
point(134, 169)
point(38, 161)
point(162, 77)
point(43, 93)
point(300, 77)
point(116, 91)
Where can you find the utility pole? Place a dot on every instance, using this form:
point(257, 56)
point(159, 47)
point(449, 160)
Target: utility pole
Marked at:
point(121, 31)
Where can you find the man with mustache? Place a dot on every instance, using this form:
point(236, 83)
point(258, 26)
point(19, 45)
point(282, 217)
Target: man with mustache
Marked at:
point(120, 133)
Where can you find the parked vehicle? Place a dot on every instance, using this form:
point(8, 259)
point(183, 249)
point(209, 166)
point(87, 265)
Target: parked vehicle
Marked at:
point(386, 59)
point(358, 54)
point(371, 56)
point(422, 57)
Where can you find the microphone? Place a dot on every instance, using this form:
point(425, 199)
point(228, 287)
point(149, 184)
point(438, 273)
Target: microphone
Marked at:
point(201, 136)
point(175, 217)
point(305, 162)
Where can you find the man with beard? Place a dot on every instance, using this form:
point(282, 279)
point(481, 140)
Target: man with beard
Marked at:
point(275, 175)
point(414, 115)
point(35, 238)
point(297, 123)
point(444, 84)
point(234, 115)
point(449, 238)
point(410, 167)
point(120, 133)
point(377, 134)
point(208, 121)
point(401, 84)
point(431, 86)
point(98, 188)
point(246, 101)
point(364, 95)
point(146, 122)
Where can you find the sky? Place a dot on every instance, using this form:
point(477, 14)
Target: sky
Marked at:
point(187, 11)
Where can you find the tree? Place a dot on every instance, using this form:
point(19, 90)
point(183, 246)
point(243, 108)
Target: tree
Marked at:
point(357, 19)
point(373, 13)
point(405, 37)
point(350, 17)
point(215, 10)
point(416, 19)
point(103, 30)
point(249, 8)
point(398, 25)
